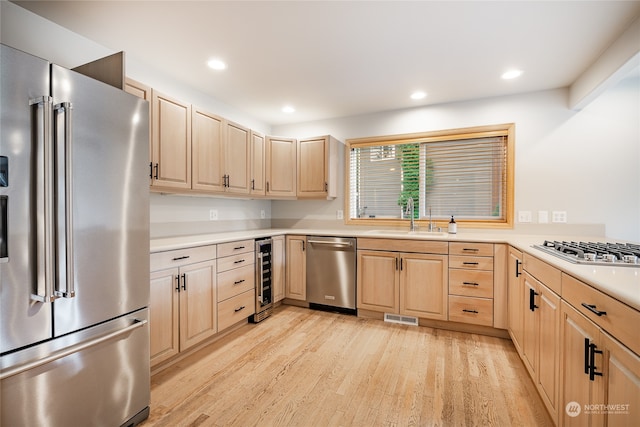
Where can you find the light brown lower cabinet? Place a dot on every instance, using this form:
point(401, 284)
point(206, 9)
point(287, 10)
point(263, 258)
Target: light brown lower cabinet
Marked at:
point(182, 308)
point(541, 340)
point(411, 284)
point(296, 280)
point(278, 259)
point(183, 302)
point(600, 376)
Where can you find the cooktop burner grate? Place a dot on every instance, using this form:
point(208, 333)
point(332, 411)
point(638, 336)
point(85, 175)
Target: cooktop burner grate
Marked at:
point(594, 253)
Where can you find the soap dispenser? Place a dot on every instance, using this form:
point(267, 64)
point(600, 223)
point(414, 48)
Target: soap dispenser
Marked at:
point(453, 227)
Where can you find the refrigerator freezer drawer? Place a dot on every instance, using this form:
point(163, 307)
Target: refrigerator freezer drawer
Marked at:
point(104, 383)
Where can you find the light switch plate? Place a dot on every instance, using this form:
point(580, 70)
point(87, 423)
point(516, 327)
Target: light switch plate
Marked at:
point(213, 215)
point(339, 214)
point(559, 216)
point(543, 217)
point(524, 216)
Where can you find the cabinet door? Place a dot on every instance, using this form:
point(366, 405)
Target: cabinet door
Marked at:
point(423, 286)
point(237, 158)
point(278, 267)
point(313, 159)
point(207, 151)
point(378, 281)
point(198, 303)
point(548, 373)
point(171, 136)
point(621, 369)
point(258, 147)
point(577, 333)
point(515, 296)
point(163, 315)
point(529, 325)
point(281, 167)
point(296, 281)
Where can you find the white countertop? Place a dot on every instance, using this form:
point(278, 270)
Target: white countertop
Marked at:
point(622, 283)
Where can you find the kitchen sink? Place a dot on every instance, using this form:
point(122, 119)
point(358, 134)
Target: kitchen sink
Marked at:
point(424, 233)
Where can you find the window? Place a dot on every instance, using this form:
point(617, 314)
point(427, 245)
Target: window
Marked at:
point(467, 173)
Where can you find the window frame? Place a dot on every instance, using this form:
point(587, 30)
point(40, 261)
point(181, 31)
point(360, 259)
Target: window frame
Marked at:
point(507, 130)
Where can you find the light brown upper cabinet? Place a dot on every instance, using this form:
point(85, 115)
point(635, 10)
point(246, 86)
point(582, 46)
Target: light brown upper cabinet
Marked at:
point(144, 92)
point(317, 168)
point(237, 157)
point(171, 143)
point(257, 169)
point(281, 157)
point(207, 144)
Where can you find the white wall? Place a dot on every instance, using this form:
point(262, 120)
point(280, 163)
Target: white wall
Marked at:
point(586, 163)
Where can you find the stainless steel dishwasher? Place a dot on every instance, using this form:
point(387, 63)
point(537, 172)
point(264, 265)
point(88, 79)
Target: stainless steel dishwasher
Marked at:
point(331, 273)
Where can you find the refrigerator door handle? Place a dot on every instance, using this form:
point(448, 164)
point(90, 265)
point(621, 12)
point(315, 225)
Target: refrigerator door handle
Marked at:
point(137, 323)
point(63, 125)
point(45, 247)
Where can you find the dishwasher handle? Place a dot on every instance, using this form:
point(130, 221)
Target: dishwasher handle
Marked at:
point(332, 244)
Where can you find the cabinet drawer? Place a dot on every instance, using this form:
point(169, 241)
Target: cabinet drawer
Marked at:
point(235, 261)
point(471, 262)
point(180, 257)
point(477, 249)
point(235, 309)
point(477, 311)
point(232, 248)
point(419, 246)
point(236, 281)
point(471, 283)
point(620, 320)
point(542, 271)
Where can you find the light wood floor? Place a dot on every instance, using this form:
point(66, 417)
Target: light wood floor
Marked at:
point(309, 368)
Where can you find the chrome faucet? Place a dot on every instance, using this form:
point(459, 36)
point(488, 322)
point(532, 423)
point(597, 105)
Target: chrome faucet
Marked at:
point(431, 227)
point(409, 211)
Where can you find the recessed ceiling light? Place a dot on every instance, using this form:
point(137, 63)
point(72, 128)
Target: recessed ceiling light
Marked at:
point(418, 95)
point(288, 109)
point(511, 74)
point(216, 64)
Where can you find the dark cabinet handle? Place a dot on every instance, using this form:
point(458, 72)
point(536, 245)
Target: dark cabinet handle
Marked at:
point(401, 263)
point(518, 273)
point(471, 283)
point(470, 311)
point(237, 282)
point(181, 257)
point(178, 283)
point(150, 170)
point(253, 184)
point(156, 169)
point(586, 355)
point(532, 296)
point(238, 248)
point(239, 309)
point(184, 282)
point(470, 249)
point(239, 261)
point(469, 263)
point(592, 362)
point(592, 308)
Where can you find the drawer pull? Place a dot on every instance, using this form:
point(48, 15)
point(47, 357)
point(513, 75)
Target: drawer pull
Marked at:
point(592, 308)
point(237, 248)
point(469, 263)
point(471, 283)
point(239, 309)
point(237, 282)
point(470, 311)
point(181, 257)
point(471, 249)
point(532, 299)
point(239, 261)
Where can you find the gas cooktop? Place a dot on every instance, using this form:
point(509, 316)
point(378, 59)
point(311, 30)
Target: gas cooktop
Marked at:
point(594, 253)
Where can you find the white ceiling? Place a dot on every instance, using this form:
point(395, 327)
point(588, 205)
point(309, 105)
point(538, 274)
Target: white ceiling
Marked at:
point(343, 58)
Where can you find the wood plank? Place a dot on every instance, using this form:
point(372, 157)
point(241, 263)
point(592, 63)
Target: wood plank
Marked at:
point(306, 367)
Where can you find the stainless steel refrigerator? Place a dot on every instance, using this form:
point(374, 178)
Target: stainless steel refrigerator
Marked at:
point(74, 248)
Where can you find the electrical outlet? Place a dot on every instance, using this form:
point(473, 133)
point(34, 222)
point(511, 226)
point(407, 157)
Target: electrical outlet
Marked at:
point(213, 215)
point(524, 216)
point(263, 214)
point(339, 214)
point(559, 216)
point(543, 217)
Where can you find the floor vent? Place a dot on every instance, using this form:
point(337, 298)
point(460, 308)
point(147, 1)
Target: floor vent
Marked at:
point(404, 320)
